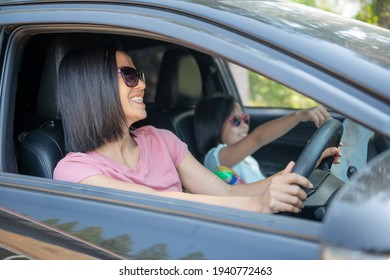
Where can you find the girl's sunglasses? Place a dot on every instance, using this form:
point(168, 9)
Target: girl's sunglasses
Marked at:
point(131, 76)
point(236, 120)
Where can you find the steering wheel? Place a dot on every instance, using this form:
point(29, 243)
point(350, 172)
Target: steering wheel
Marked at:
point(327, 135)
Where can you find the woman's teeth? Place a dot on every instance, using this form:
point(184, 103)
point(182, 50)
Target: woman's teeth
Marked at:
point(137, 99)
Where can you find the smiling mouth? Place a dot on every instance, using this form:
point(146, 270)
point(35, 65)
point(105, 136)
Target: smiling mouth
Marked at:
point(137, 99)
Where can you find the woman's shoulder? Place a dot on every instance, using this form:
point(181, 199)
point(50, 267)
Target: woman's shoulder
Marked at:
point(73, 157)
point(76, 166)
point(160, 137)
point(149, 130)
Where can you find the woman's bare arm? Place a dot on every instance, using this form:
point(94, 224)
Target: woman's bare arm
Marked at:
point(270, 196)
point(242, 203)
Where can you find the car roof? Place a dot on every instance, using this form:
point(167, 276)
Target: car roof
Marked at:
point(352, 50)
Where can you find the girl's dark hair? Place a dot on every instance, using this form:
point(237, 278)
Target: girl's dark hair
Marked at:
point(88, 98)
point(210, 116)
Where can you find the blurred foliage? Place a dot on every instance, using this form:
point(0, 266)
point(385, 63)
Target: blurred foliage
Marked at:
point(267, 93)
point(375, 12)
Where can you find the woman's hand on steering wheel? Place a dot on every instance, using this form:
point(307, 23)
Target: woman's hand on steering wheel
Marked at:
point(330, 152)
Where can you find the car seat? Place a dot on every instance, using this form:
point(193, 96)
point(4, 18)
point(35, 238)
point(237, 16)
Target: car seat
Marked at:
point(179, 88)
point(41, 149)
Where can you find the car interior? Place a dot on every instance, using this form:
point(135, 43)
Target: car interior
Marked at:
point(177, 78)
point(183, 79)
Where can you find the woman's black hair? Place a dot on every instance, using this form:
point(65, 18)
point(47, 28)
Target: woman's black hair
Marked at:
point(88, 98)
point(210, 116)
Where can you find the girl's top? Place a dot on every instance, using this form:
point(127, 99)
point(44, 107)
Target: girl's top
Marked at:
point(161, 152)
point(248, 169)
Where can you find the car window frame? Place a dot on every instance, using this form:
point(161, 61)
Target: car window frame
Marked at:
point(264, 59)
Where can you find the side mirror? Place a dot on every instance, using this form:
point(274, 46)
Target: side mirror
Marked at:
point(357, 224)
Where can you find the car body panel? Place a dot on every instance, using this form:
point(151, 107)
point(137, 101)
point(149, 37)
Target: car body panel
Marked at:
point(175, 229)
point(366, 196)
point(303, 37)
point(30, 239)
point(283, 42)
point(233, 45)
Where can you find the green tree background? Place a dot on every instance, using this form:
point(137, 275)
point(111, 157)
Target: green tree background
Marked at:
point(267, 93)
point(376, 12)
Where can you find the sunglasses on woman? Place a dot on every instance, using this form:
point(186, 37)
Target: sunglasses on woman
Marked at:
point(236, 120)
point(131, 76)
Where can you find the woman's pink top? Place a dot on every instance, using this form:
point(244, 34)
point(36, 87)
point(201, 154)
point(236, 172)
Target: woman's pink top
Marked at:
point(161, 152)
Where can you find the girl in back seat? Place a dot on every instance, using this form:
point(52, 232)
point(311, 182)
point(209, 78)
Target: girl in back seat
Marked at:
point(223, 138)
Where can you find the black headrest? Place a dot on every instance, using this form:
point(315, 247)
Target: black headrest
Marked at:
point(180, 81)
point(47, 95)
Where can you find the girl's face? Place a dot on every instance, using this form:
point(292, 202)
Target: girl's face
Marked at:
point(131, 97)
point(232, 134)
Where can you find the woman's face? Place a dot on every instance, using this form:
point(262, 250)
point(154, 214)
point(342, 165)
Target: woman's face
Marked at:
point(232, 134)
point(131, 97)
